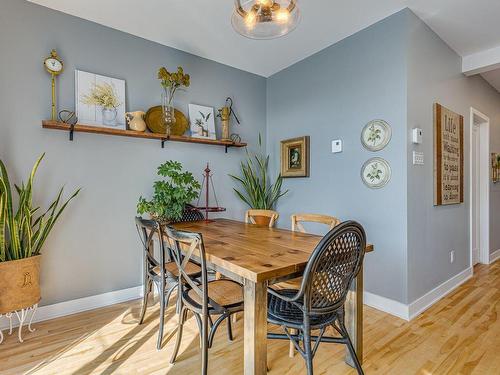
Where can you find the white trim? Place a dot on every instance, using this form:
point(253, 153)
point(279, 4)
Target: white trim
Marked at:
point(430, 298)
point(484, 193)
point(494, 256)
point(482, 61)
point(387, 305)
point(81, 304)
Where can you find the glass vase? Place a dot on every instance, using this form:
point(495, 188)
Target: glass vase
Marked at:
point(168, 112)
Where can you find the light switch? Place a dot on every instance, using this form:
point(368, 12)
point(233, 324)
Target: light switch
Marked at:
point(336, 146)
point(418, 158)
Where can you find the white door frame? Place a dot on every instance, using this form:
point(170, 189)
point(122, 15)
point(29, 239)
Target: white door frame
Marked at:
point(483, 123)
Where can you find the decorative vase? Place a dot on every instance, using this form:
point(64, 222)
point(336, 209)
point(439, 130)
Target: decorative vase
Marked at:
point(168, 112)
point(19, 284)
point(109, 116)
point(136, 121)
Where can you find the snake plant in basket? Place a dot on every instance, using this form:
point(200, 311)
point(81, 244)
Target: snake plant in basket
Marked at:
point(258, 191)
point(23, 232)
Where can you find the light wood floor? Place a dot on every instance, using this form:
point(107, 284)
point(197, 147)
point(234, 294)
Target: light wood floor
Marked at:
point(458, 335)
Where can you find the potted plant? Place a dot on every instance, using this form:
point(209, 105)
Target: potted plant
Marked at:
point(258, 191)
point(171, 195)
point(23, 233)
point(104, 95)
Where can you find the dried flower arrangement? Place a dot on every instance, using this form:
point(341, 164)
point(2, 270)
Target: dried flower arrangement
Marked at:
point(102, 95)
point(172, 81)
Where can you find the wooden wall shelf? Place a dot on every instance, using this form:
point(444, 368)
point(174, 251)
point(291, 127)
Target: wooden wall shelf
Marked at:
point(48, 124)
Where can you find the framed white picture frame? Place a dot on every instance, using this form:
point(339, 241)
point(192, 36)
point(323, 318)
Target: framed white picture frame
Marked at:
point(202, 121)
point(95, 115)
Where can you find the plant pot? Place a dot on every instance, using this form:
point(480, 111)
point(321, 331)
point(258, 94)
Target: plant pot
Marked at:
point(19, 284)
point(262, 220)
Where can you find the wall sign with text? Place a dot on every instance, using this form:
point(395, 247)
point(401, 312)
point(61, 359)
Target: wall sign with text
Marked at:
point(448, 156)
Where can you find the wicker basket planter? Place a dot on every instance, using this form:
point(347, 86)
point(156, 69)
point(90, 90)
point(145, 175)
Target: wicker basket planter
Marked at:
point(19, 284)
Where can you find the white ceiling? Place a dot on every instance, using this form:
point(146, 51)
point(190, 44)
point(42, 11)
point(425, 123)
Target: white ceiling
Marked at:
point(203, 27)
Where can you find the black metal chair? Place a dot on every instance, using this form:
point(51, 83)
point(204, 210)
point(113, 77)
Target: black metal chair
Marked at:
point(165, 278)
point(205, 298)
point(319, 303)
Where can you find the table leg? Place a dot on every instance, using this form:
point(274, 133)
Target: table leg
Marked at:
point(354, 317)
point(255, 326)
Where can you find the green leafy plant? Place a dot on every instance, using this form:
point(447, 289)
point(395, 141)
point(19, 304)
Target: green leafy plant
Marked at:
point(258, 191)
point(170, 195)
point(22, 232)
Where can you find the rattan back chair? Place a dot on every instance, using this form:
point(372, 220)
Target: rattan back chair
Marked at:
point(319, 303)
point(160, 270)
point(202, 297)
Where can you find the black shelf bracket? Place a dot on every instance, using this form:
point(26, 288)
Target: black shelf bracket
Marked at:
point(163, 140)
point(71, 131)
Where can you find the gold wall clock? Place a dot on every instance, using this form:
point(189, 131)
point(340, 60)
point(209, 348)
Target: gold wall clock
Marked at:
point(54, 66)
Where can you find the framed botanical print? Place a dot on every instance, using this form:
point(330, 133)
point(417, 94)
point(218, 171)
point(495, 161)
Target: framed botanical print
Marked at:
point(295, 157)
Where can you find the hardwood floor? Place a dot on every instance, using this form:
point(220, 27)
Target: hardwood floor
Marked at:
point(458, 335)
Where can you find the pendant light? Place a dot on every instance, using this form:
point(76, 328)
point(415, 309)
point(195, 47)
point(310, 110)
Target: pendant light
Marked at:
point(265, 19)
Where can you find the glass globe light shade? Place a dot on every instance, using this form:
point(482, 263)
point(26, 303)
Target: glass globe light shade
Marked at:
point(265, 19)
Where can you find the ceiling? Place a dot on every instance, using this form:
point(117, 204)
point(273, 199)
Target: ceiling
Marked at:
point(203, 27)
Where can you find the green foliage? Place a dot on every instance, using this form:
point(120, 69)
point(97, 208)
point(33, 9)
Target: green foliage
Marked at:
point(171, 81)
point(21, 234)
point(257, 190)
point(172, 194)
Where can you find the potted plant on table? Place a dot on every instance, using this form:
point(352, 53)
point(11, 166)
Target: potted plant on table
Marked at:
point(258, 191)
point(171, 195)
point(23, 233)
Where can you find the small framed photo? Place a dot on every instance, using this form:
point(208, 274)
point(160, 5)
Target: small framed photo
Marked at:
point(295, 157)
point(202, 121)
point(100, 100)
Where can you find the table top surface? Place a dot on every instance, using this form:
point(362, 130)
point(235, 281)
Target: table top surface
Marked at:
point(256, 253)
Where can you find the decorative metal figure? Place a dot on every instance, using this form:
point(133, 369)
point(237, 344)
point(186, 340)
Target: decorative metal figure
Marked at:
point(225, 115)
point(206, 183)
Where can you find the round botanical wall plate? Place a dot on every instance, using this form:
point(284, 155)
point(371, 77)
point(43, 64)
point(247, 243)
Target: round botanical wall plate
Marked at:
point(376, 173)
point(376, 135)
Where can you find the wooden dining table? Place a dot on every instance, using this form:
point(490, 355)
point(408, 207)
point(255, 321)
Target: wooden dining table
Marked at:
point(257, 257)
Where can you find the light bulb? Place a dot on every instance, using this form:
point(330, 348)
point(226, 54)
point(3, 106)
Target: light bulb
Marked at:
point(282, 16)
point(265, 3)
point(250, 19)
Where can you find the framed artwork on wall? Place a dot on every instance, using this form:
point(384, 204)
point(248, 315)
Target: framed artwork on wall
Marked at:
point(376, 135)
point(202, 121)
point(448, 156)
point(495, 167)
point(295, 157)
point(100, 100)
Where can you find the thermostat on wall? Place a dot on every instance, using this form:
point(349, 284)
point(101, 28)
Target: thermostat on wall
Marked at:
point(416, 135)
point(336, 146)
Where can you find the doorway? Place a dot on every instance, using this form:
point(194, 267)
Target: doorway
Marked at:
point(479, 187)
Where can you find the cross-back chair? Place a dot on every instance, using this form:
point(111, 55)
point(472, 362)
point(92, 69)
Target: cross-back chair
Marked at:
point(319, 303)
point(202, 297)
point(252, 216)
point(164, 277)
point(298, 219)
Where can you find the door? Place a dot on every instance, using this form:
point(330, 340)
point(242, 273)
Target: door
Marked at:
point(476, 194)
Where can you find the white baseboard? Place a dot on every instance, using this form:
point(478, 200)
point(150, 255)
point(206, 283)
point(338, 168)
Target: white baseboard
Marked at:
point(494, 256)
point(387, 305)
point(78, 305)
point(430, 298)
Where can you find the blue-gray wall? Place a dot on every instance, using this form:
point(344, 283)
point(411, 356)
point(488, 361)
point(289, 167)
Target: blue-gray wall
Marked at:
point(332, 95)
point(435, 75)
point(94, 248)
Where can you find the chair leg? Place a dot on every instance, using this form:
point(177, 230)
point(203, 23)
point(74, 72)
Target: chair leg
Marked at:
point(182, 317)
point(162, 314)
point(308, 347)
point(146, 292)
point(229, 329)
point(204, 349)
point(354, 356)
point(291, 352)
